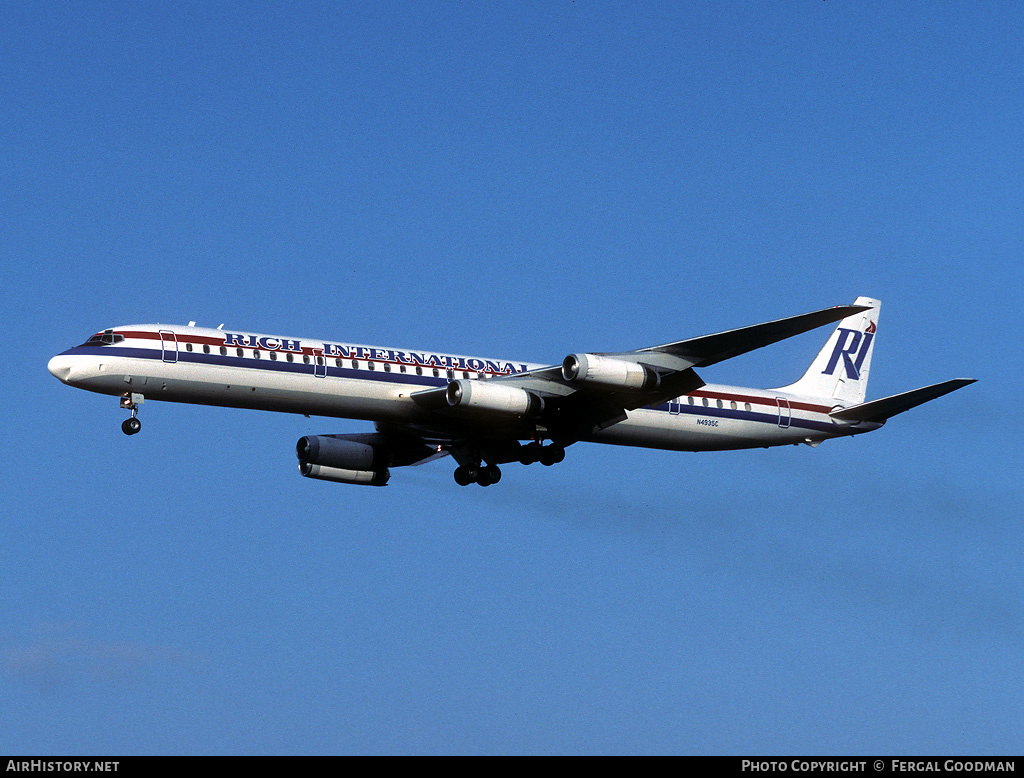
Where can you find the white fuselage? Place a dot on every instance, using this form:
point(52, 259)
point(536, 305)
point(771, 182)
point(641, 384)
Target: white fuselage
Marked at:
point(326, 378)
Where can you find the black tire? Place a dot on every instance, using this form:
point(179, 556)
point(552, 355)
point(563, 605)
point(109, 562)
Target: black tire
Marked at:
point(493, 473)
point(131, 426)
point(551, 455)
point(530, 453)
point(484, 477)
point(462, 477)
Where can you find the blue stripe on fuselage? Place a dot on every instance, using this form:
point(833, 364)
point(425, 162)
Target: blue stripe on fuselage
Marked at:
point(249, 363)
point(383, 376)
point(765, 418)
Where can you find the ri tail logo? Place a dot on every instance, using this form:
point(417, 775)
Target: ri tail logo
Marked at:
point(852, 346)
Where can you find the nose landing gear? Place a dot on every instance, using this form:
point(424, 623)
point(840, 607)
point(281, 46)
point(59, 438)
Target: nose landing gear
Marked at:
point(131, 401)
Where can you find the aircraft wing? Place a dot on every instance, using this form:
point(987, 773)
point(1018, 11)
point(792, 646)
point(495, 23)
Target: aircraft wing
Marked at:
point(582, 406)
point(709, 349)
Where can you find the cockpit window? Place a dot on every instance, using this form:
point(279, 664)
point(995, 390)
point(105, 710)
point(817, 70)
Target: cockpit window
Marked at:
point(105, 338)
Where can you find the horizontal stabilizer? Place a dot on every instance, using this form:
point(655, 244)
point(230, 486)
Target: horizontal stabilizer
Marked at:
point(887, 407)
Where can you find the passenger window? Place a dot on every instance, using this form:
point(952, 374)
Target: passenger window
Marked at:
point(689, 400)
point(465, 374)
point(419, 370)
point(436, 373)
point(305, 358)
point(705, 402)
point(746, 406)
point(223, 351)
point(255, 353)
point(401, 368)
point(273, 356)
point(206, 349)
point(387, 368)
point(188, 347)
point(337, 362)
point(371, 366)
point(732, 405)
point(239, 352)
point(290, 357)
point(355, 364)
point(719, 403)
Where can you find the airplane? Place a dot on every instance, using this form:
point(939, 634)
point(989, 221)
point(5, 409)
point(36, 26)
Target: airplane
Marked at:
point(488, 412)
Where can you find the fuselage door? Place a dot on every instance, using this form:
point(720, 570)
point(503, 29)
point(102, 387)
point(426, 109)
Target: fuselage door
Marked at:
point(169, 346)
point(319, 363)
point(785, 415)
point(674, 406)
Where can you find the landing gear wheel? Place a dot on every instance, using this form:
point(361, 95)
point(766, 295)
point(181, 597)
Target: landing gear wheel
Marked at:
point(131, 426)
point(489, 475)
point(530, 453)
point(462, 476)
point(551, 455)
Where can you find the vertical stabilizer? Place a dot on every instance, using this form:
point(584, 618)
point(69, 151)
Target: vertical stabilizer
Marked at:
point(840, 371)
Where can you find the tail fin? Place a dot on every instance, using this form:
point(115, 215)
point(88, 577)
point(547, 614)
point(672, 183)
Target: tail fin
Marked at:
point(840, 371)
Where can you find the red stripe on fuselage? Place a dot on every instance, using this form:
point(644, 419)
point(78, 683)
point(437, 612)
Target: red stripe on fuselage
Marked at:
point(181, 338)
point(208, 341)
point(759, 400)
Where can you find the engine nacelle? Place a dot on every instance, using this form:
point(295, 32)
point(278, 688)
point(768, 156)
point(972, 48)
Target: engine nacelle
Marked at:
point(609, 373)
point(494, 397)
point(342, 459)
point(344, 476)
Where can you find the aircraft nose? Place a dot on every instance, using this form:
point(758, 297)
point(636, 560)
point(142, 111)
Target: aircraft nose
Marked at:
point(60, 367)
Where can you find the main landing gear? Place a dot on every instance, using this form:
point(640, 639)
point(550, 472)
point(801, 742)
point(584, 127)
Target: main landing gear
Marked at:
point(473, 470)
point(131, 401)
point(547, 455)
point(485, 475)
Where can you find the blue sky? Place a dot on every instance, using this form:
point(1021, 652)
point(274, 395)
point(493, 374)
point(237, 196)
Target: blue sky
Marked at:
point(518, 180)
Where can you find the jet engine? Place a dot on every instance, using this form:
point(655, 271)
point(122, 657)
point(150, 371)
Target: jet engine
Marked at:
point(609, 373)
point(344, 476)
point(357, 459)
point(498, 398)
